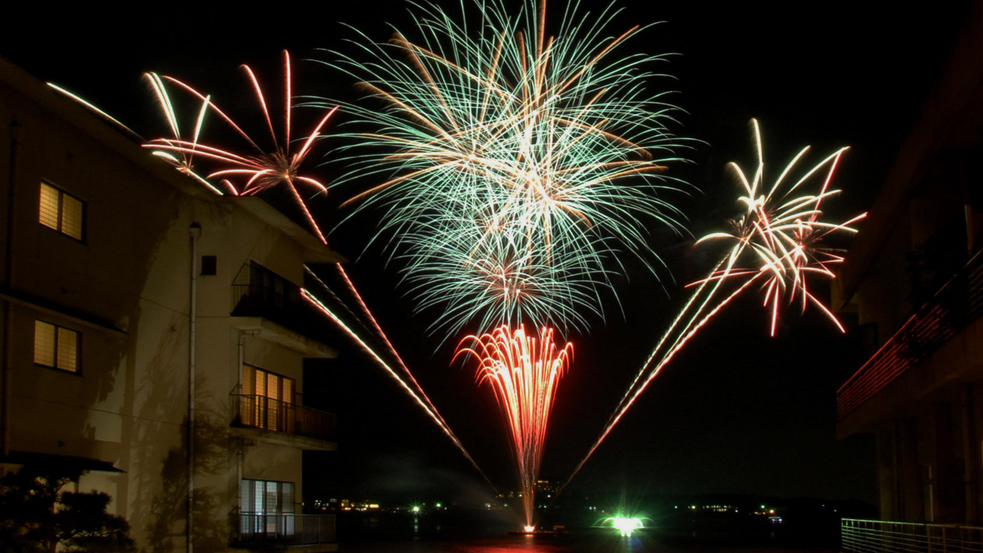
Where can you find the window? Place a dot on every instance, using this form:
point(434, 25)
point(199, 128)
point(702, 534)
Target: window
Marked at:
point(267, 399)
point(209, 265)
point(61, 211)
point(56, 347)
point(267, 507)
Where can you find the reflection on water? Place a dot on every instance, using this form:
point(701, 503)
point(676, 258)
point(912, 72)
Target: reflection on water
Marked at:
point(478, 532)
point(586, 541)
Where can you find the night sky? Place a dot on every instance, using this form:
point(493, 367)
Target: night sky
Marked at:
point(738, 412)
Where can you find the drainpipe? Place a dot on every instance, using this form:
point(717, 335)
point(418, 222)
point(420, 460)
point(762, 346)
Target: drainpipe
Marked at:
point(239, 455)
point(241, 359)
point(194, 232)
point(8, 278)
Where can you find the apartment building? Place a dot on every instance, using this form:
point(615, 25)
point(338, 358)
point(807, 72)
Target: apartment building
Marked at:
point(138, 309)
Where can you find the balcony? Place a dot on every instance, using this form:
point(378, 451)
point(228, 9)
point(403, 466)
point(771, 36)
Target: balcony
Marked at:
point(874, 536)
point(267, 531)
point(273, 308)
point(275, 421)
point(951, 310)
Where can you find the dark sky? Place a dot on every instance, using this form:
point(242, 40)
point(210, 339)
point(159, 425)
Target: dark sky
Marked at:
point(738, 412)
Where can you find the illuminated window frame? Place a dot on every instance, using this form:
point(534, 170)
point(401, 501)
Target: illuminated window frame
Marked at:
point(272, 399)
point(267, 507)
point(61, 211)
point(267, 497)
point(57, 347)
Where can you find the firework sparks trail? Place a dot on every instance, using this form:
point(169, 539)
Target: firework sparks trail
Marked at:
point(517, 166)
point(254, 173)
point(93, 108)
point(411, 380)
point(524, 374)
point(776, 243)
point(418, 397)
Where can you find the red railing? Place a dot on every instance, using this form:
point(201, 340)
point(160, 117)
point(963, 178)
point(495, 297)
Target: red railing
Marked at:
point(953, 307)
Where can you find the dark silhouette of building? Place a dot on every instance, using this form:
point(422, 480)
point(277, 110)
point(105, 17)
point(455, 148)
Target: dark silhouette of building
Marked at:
point(914, 274)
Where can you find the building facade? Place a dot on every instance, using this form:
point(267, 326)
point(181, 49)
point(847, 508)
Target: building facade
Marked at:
point(138, 309)
point(915, 276)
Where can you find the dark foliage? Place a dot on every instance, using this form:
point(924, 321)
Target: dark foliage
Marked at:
point(38, 514)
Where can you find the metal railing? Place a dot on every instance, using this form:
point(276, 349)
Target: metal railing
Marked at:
point(261, 529)
point(879, 536)
point(259, 292)
point(952, 309)
point(257, 411)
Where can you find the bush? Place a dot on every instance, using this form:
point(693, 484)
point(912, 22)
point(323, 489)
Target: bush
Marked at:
point(37, 514)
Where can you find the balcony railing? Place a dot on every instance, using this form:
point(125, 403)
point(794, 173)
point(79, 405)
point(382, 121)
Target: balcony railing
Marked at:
point(256, 411)
point(952, 309)
point(259, 292)
point(271, 530)
point(878, 536)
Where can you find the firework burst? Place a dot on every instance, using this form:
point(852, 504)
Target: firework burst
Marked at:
point(776, 243)
point(253, 173)
point(779, 238)
point(177, 151)
point(516, 166)
point(524, 374)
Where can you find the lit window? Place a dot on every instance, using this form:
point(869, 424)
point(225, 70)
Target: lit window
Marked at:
point(267, 497)
point(267, 399)
point(61, 211)
point(56, 346)
point(267, 507)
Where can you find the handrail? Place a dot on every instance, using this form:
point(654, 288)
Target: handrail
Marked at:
point(258, 292)
point(957, 304)
point(280, 529)
point(276, 415)
point(882, 536)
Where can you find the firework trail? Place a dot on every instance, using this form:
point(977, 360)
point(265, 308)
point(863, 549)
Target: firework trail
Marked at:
point(410, 379)
point(524, 375)
point(255, 172)
point(94, 109)
point(517, 167)
point(415, 392)
point(777, 242)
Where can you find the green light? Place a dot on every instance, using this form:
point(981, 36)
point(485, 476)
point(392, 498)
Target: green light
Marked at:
point(626, 525)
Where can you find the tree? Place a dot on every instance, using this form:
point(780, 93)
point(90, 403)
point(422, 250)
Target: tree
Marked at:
point(37, 514)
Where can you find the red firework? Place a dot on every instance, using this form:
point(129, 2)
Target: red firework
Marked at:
point(256, 172)
point(524, 373)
